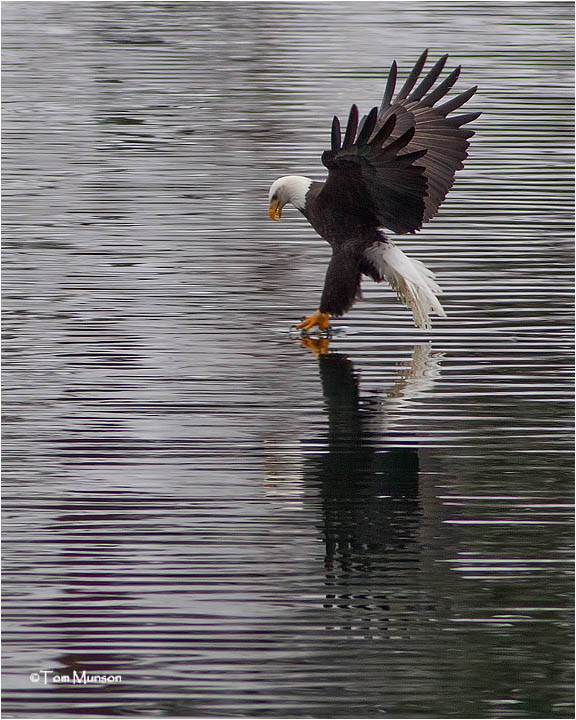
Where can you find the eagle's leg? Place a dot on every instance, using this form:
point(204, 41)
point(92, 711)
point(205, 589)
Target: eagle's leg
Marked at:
point(320, 319)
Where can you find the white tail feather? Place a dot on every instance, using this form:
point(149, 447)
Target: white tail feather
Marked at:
point(412, 280)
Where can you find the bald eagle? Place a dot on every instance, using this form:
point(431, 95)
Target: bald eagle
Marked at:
point(393, 169)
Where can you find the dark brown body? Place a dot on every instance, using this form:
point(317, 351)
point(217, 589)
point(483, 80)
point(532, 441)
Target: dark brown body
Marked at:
point(350, 235)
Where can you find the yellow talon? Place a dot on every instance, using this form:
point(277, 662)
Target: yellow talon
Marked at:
point(319, 346)
point(322, 320)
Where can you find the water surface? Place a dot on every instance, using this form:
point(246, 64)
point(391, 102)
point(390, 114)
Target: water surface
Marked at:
point(193, 499)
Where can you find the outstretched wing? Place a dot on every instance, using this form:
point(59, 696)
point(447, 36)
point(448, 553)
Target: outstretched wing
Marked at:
point(444, 138)
point(396, 166)
point(369, 179)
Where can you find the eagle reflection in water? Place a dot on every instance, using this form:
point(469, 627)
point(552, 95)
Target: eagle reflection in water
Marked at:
point(367, 476)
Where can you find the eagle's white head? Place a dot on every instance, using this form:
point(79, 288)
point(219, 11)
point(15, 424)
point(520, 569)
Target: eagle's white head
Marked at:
point(287, 189)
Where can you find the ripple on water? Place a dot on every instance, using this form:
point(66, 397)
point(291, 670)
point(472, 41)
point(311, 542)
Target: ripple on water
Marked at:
point(193, 499)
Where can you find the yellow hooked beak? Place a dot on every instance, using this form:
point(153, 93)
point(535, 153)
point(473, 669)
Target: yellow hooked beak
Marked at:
point(275, 211)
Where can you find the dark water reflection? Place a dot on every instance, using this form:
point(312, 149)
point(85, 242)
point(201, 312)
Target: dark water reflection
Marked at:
point(195, 500)
point(369, 497)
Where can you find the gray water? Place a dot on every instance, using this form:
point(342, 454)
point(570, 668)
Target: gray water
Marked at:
point(192, 499)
